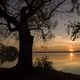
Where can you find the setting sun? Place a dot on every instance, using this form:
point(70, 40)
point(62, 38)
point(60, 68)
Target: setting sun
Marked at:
point(71, 49)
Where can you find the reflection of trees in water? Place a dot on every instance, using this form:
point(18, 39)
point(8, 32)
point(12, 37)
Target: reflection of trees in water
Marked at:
point(8, 53)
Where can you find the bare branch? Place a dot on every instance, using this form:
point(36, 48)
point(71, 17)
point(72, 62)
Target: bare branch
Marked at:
point(13, 7)
point(3, 24)
point(14, 14)
point(9, 19)
point(27, 2)
point(10, 29)
point(43, 35)
point(57, 6)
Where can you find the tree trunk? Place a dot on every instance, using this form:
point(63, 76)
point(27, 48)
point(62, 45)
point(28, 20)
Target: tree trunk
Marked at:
point(25, 54)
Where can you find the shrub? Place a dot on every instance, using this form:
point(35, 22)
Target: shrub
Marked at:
point(43, 63)
point(8, 53)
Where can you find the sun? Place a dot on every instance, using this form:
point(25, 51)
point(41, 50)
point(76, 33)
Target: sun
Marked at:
point(71, 50)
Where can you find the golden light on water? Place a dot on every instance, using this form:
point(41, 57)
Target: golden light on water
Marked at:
point(71, 54)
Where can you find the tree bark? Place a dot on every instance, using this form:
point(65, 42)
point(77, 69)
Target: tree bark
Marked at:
point(25, 48)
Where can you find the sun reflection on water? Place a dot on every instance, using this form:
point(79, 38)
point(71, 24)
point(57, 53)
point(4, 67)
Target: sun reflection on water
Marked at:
point(71, 54)
point(66, 62)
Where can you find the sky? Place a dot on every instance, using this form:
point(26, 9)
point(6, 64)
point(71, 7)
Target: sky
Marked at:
point(62, 41)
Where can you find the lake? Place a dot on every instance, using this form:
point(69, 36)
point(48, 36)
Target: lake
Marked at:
point(66, 62)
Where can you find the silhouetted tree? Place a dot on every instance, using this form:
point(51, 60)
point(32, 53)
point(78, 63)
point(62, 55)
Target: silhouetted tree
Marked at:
point(73, 28)
point(24, 16)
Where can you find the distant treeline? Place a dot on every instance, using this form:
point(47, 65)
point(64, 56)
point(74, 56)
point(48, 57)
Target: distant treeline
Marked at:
point(55, 51)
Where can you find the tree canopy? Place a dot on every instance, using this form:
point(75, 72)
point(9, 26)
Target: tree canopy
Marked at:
point(37, 15)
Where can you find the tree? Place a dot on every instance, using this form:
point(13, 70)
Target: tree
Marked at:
point(26, 15)
point(73, 28)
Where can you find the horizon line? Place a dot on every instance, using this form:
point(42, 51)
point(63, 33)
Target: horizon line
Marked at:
point(55, 51)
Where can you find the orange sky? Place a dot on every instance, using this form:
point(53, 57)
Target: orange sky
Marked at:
point(57, 44)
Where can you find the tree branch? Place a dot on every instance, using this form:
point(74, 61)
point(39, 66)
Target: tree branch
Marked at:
point(51, 11)
point(33, 9)
point(9, 19)
point(27, 2)
point(13, 7)
point(43, 35)
point(10, 29)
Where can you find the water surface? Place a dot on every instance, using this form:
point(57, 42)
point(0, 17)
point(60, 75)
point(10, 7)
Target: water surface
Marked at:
point(67, 62)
